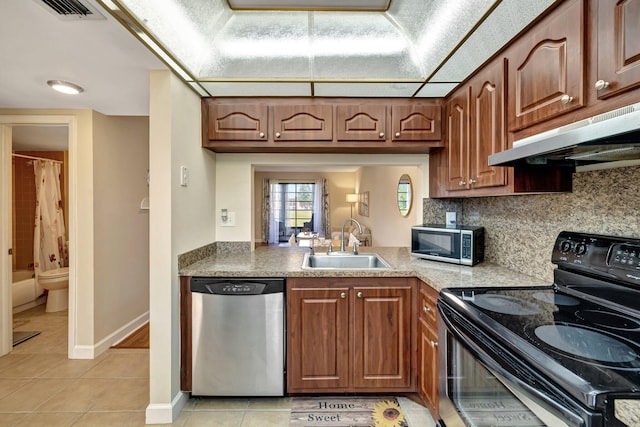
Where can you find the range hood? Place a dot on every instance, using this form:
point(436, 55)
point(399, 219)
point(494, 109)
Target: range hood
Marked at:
point(605, 138)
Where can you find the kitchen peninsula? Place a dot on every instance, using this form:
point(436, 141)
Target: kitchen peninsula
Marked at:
point(346, 305)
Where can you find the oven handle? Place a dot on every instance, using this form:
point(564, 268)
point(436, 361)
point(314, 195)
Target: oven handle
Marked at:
point(568, 415)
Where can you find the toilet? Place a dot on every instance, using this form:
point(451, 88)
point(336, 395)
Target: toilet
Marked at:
point(56, 282)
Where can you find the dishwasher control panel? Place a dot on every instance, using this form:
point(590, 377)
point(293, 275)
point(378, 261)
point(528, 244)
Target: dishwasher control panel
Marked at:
point(237, 286)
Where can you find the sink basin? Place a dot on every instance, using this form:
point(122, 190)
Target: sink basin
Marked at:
point(344, 261)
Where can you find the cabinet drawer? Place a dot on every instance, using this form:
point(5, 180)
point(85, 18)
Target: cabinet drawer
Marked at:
point(428, 300)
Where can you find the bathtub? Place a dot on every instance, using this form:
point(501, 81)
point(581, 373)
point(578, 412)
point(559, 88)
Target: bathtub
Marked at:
point(24, 291)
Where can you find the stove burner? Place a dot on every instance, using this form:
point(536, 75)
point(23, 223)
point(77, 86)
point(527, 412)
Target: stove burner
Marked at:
point(505, 304)
point(608, 320)
point(556, 299)
point(586, 343)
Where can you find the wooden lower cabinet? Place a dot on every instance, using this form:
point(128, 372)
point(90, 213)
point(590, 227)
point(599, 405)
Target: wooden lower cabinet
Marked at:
point(428, 348)
point(350, 335)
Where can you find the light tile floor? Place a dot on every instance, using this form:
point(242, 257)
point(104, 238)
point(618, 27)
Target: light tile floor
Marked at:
point(39, 386)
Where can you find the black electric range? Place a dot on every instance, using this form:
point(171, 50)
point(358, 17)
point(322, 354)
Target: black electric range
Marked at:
point(577, 340)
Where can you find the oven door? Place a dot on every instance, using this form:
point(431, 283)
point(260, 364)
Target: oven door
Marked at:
point(482, 384)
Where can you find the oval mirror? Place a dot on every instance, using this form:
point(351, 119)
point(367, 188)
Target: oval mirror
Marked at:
point(404, 195)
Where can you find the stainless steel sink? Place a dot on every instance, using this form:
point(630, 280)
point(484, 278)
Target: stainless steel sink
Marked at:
point(344, 261)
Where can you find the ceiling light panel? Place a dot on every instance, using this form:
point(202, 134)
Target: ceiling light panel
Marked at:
point(185, 28)
point(360, 46)
point(362, 90)
point(311, 4)
point(437, 27)
point(260, 45)
point(257, 88)
point(499, 28)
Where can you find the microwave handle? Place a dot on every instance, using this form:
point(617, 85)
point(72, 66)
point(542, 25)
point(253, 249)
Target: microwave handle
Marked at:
point(512, 382)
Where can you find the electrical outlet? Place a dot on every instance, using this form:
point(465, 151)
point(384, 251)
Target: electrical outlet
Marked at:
point(231, 220)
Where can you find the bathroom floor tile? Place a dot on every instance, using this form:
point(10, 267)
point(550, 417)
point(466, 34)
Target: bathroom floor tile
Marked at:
point(8, 386)
point(126, 394)
point(32, 366)
point(80, 396)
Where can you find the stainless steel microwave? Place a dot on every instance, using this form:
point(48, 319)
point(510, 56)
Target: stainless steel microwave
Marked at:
point(460, 245)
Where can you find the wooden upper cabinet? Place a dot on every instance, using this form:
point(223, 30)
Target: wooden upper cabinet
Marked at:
point(457, 122)
point(361, 122)
point(488, 133)
point(238, 122)
point(618, 47)
point(416, 122)
point(546, 68)
point(302, 122)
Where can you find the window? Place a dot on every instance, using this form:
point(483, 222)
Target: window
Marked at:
point(293, 207)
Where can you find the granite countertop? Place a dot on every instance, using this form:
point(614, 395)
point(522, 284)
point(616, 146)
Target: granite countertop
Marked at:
point(267, 261)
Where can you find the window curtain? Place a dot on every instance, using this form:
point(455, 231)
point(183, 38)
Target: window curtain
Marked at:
point(266, 208)
point(321, 208)
point(274, 214)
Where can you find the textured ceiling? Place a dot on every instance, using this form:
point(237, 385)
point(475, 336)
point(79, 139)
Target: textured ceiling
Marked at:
point(415, 48)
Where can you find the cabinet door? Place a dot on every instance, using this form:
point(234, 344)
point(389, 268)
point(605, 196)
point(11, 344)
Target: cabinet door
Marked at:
point(237, 122)
point(382, 337)
point(317, 338)
point(458, 141)
point(546, 68)
point(618, 46)
point(361, 122)
point(416, 122)
point(428, 366)
point(487, 127)
point(302, 123)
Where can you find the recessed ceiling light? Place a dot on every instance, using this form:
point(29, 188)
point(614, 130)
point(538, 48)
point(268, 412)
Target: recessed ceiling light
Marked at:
point(65, 87)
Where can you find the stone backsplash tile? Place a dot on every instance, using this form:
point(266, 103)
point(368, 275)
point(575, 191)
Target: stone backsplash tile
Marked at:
point(521, 230)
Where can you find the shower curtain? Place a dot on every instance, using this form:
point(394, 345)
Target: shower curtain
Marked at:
point(49, 233)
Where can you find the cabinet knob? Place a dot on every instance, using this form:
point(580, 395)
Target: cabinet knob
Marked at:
point(381, 135)
point(397, 134)
point(565, 99)
point(434, 344)
point(359, 294)
point(472, 181)
point(277, 134)
point(601, 84)
point(426, 309)
point(343, 295)
point(261, 134)
point(462, 183)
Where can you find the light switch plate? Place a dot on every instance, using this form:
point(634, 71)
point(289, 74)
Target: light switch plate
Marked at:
point(184, 176)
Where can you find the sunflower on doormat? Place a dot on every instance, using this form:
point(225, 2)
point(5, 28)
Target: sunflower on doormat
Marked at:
point(387, 413)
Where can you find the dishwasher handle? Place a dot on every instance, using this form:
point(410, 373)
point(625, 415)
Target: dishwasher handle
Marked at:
point(237, 286)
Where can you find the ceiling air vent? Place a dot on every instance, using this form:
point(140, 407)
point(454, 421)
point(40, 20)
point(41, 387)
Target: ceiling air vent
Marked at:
point(71, 9)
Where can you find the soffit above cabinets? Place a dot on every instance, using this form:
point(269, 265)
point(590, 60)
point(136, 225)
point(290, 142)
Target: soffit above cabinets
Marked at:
point(415, 48)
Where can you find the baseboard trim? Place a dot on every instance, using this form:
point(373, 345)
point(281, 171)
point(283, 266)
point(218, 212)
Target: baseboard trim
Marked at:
point(90, 352)
point(166, 413)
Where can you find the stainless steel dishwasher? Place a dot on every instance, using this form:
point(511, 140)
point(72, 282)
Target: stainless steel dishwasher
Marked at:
point(238, 343)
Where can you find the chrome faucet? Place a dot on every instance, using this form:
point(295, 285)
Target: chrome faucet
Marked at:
point(342, 239)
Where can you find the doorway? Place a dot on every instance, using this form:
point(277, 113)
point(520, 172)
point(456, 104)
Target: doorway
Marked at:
point(9, 125)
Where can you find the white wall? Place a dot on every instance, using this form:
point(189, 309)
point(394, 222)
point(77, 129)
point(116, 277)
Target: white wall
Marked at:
point(180, 219)
point(121, 266)
point(388, 227)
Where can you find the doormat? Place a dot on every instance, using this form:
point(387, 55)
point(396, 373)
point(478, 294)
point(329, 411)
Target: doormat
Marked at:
point(346, 412)
point(137, 339)
point(21, 336)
